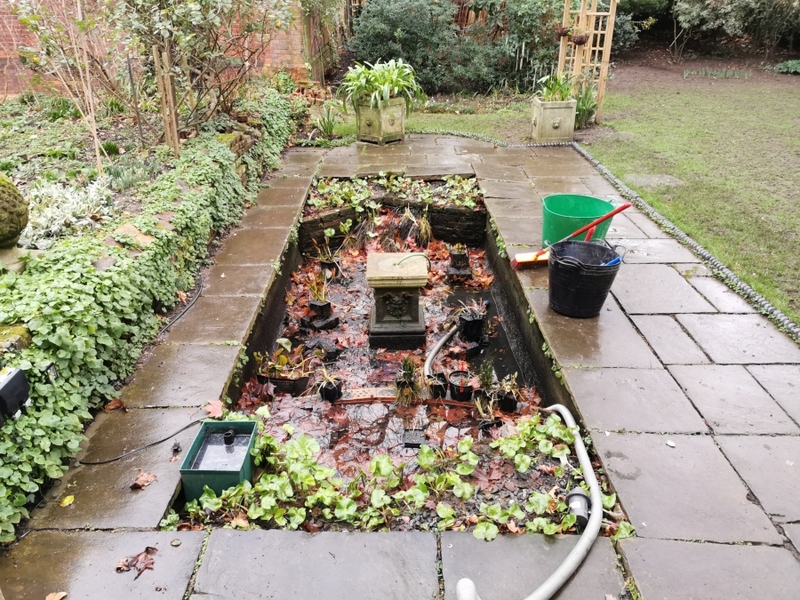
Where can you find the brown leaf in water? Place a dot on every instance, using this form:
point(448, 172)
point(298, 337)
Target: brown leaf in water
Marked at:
point(143, 479)
point(56, 596)
point(214, 409)
point(114, 405)
point(141, 562)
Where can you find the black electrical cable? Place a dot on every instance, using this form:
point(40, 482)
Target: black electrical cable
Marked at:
point(139, 449)
point(187, 307)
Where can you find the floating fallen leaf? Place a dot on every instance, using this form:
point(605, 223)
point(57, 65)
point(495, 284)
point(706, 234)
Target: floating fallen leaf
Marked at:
point(56, 596)
point(141, 562)
point(214, 409)
point(67, 500)
point(114, 405)
point(142, 480)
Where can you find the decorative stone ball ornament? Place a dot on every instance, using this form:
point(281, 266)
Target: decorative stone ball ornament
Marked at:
point(13, 213)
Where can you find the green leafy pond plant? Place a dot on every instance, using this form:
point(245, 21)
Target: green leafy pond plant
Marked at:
point(438, 490)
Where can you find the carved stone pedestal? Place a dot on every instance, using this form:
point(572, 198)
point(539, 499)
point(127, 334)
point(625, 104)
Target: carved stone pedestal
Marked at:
point(397, 321)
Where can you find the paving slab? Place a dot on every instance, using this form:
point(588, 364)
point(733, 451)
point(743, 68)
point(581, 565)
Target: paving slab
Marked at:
point(262, 216)
point(277, 197)
point(437, 168)
point(253, 247)
point(82, 565)
point(693, 270)
point(216, 320)
point(740, 339)
point(770, 466)
point(512, 566)
point(103, 496)
point(655, 251)
point(525, 208)
point(793, 533)
point(507, 189)
point(529, 278)
point(302, 155)
point(181, 375)
point(559, 185)
point(622, 227)
point(336, 169)
point(543, 168)
point(252, 565)
point(731, 400)
point(237, 280)
point(602, 187)
point(783, 384)
point(499, 172)
point(688, 492)
point(283, 181)
point(641, 400)
point(670, 342)
point(721, 296)
point(656, 289)
point(669, 570)
point(522, 231)
point(608, 340)
point(647, 225)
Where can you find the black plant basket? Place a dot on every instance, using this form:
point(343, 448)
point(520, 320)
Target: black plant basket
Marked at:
point(471, 327)
point(331, 390)
point(460, 388)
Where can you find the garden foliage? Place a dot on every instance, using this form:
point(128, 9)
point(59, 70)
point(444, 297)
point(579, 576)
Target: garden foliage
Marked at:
point(91, 324)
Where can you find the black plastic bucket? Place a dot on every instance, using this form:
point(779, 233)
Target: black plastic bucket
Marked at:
point(579, 284)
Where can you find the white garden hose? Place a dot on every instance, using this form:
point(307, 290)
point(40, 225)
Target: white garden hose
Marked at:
point(465, 588)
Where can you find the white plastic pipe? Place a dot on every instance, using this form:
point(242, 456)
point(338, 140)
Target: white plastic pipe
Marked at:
point(465, 588)
point(426, 370)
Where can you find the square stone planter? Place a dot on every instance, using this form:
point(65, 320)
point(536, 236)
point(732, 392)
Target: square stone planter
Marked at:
point(553, 121)
point(384, 124)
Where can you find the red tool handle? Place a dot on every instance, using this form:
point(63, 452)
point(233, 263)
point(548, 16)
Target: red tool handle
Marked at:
point(594, 223)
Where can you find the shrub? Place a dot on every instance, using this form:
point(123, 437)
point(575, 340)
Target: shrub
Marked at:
point(788, 66)
point(92, 324)
point(421, 32)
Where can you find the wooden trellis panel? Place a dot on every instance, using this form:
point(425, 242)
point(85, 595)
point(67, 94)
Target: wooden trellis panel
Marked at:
point(588, 60)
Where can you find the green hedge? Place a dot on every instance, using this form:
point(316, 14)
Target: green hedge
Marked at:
point(92, 324)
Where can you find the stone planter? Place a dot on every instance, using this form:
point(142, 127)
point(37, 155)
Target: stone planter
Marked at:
point(384, 124)
point(553, 121)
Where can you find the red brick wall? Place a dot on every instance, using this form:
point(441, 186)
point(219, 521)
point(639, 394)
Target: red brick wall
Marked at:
point(285, 51)
point(12, 33)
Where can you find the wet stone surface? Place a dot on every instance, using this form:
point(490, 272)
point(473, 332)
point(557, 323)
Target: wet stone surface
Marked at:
point(216, 319)
point(251, 565)
point(512, 566)
point(783, 384)
point(632, 400)
point(178, 375)
point(731, 400)
point(655, 289)
point(720, 295)
point(740, 339)
point(253, 247)
point(670, 342)
point(686, 492)
point(507, 189)
point(655, 251)
point(237, 280)
point(670, 569)
point(608, 340)
point(82, 564)
point(559, 185)
point(103, 496)
point(770, 466)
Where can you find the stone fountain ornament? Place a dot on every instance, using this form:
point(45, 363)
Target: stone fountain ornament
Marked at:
point(397, 320)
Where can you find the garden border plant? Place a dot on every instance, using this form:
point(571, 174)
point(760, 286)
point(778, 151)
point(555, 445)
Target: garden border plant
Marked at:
point(91, 324)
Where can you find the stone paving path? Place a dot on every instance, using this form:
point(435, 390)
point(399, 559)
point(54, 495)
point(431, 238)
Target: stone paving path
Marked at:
point(691, 399)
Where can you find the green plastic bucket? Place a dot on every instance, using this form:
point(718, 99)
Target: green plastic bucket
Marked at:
point(564, 214)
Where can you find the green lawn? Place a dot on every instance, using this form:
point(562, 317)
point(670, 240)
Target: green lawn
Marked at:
point(736, 146)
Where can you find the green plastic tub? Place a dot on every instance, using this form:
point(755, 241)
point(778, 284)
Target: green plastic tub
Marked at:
point(213, 463)
point(566, 213)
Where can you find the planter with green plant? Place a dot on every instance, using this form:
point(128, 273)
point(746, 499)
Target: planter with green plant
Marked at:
point(330, 386)
point(472, 320)
point(285, 368)
point(381, 96)
point(408, 382)
point(554, 110)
